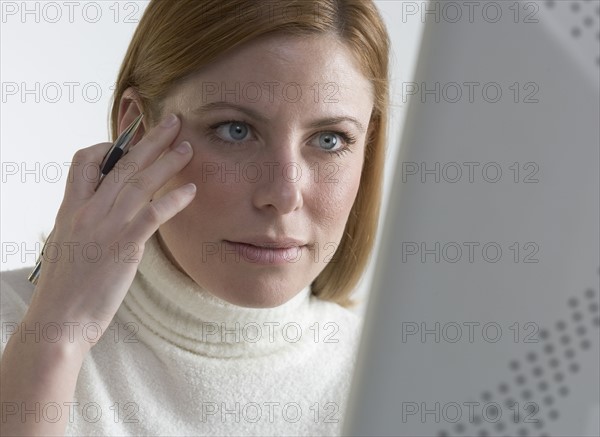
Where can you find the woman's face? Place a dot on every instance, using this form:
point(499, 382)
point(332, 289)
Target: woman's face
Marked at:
point(278, 129)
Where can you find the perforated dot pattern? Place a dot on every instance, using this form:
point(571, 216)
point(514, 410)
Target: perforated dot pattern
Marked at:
point(540, 378)
point(582, 18)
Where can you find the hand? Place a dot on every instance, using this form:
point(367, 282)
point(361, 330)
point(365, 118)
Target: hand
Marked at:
point(98, 239)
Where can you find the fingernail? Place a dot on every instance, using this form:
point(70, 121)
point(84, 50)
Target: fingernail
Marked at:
point(169, 120)
point(184, 148)
point(189, 188)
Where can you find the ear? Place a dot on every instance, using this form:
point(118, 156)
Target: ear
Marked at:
point(130, 108)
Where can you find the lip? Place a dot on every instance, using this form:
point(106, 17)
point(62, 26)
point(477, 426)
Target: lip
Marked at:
point(264, 242)
point(277, 252)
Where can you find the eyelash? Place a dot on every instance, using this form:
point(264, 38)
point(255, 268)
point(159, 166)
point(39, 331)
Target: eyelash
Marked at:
point(346, 137)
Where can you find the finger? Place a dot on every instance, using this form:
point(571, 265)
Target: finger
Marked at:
point(135, 195)
point(141, 156)
point(159, 211)
point(84, 173)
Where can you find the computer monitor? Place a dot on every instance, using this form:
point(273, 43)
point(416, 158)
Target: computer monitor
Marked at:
point(483, 316)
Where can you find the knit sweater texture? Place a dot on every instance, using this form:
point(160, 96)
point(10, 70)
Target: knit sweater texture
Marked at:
point(179, 361)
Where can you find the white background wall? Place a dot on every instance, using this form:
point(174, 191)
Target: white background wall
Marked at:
point(58, 61)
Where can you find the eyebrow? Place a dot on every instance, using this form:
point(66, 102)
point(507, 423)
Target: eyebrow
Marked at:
point(328, 121)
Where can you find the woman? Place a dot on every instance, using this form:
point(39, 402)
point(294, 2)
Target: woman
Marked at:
point(214, 302)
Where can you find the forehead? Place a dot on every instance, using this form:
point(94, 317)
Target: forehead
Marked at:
point(278, 71)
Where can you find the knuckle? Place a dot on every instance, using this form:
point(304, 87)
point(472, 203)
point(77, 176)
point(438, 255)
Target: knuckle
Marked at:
point(152, 214)
point(125, 172)
point(141, 182)
point(82, 155)
point(120, 167)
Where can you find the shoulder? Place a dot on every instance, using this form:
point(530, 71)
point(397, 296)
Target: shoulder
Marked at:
point(15, 294)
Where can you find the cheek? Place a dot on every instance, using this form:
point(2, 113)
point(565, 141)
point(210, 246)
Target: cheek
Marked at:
point(215, 188)
point(216, 200)
point(348, 188)
point(336, 191)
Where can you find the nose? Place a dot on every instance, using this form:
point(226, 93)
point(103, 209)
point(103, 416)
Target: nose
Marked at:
point(280, 185)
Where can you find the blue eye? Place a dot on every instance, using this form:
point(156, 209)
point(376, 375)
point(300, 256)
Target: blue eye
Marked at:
point(328, 141)
point(236, 130)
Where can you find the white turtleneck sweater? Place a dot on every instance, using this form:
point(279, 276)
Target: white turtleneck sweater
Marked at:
point(179, 361)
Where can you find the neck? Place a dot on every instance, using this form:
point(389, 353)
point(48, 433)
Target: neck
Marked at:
point(169, 304)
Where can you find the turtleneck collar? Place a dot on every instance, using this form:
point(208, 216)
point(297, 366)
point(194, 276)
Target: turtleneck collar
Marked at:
point(172, 306)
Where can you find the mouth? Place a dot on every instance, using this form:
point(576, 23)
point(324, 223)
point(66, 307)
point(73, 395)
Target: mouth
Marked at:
point(269, 245)
point(267, 252)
